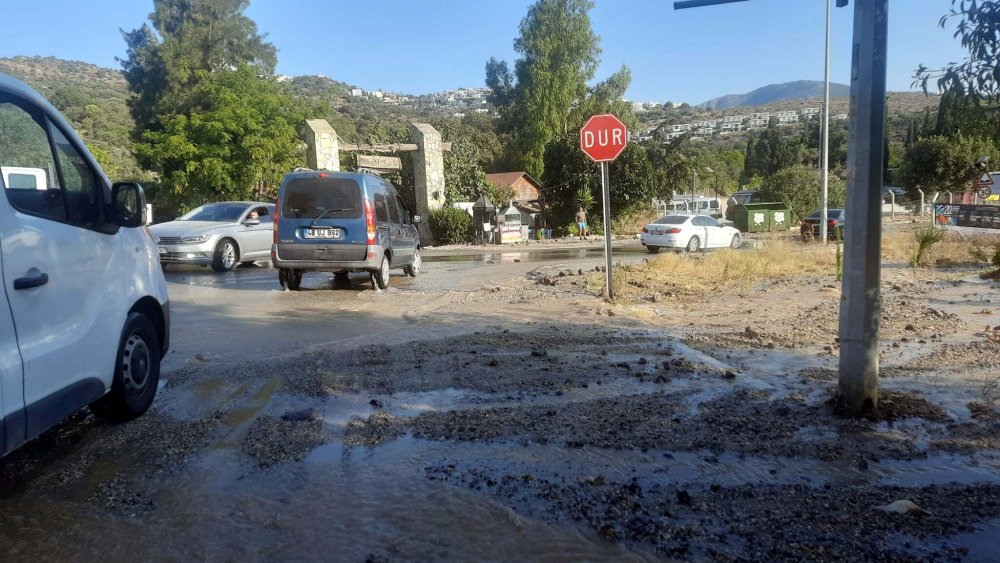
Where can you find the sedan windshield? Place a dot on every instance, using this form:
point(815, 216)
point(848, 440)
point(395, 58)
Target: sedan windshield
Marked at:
point(671, 220)
point(220, 212)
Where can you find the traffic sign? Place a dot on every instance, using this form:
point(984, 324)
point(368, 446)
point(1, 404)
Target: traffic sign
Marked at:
point(603, 138)
point(985, 180)
point(985, 192)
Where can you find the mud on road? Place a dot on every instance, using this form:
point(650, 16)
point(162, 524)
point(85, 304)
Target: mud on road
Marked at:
point(523, 420)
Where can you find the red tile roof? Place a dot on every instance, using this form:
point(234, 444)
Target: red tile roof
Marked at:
point(508, 178)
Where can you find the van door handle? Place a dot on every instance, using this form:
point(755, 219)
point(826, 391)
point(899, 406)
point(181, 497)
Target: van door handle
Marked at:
point(30, 282)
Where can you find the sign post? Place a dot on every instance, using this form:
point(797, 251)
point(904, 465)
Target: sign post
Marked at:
point(603, 138)
point(984, 186)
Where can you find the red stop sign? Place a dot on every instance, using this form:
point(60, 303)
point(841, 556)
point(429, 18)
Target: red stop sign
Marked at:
point(603, 137)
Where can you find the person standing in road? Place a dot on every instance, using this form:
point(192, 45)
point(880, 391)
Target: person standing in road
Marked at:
point(581, 221)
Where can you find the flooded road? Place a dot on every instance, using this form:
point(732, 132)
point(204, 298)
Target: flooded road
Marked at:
point(473, 413)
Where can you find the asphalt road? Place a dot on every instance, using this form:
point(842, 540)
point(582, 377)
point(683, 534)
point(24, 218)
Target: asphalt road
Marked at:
point(244, 315)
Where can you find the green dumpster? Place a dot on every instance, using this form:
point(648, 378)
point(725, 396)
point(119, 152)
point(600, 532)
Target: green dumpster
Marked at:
point(762, 217)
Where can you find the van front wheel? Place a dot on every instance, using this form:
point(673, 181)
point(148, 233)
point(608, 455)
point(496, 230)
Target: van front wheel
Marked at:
point(413, 270)
point(137, 373)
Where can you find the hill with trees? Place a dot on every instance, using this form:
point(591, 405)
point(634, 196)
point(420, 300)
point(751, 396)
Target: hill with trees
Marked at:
point(797, 90)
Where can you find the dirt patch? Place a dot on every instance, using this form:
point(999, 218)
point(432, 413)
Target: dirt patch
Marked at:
point(982, 355)
point(632, 422)
point(375, 430)
point(745, 523)
point(744, 421)
point(818, 325)
point(970, 437)
point(545, 359)
point(893, 405)
point(270, 440)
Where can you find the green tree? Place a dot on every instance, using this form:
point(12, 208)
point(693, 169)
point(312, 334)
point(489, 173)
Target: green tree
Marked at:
point(770, 152)
point(971, 87)
point(945, 163)
point(237, 148)
point(977, 76)
point(799, 186)
point(568, 172)
point(184, 42)
point(558, 55)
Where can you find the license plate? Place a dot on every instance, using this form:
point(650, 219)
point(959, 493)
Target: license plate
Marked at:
point(163, 250)
point(323, 233)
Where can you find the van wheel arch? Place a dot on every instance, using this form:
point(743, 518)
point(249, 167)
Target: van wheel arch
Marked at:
point(152, 309)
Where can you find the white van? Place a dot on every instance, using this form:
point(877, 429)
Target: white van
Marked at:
point(23, 178)
point(84, 316)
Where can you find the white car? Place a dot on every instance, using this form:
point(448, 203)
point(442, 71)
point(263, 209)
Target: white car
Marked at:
point(687, 231)
point(84, 315)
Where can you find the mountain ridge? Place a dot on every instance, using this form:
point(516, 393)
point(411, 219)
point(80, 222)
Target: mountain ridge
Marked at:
point(795, 90)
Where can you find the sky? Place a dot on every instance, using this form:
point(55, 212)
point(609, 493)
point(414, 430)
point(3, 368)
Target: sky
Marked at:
point(424, 46)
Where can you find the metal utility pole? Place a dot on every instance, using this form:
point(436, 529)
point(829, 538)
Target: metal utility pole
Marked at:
point(606, 197)
point(824, 200)
point(860, 304)
point(694, 186)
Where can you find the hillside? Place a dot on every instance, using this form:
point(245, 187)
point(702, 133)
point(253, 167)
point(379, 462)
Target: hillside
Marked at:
point(798, 90)
point(93, 99)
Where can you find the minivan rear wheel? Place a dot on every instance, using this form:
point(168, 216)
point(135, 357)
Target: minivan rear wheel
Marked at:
point(290, 279)
point(226, 256)
point(137, 372)
point(380, 277)
point(413, 270)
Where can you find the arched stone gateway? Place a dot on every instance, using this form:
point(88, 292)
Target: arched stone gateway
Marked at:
point(323, 153)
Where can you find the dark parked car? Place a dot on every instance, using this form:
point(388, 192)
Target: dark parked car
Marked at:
point(900, 194)
point(342, 222)
point(834, 225)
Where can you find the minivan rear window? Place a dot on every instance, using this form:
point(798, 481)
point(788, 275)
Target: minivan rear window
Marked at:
point(334, 198)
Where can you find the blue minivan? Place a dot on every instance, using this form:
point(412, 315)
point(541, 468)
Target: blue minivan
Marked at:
point(342, 222)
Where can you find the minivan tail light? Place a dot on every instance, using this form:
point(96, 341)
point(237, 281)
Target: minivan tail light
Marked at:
point(370, 221)
point(274, 227)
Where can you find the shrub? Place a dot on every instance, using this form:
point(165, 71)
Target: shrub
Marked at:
point(927, 238)
point(450, 226)
point(799, 187)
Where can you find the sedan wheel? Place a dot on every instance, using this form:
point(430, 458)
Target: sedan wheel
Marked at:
point(694, 244)
point(653, 249)
point(225, 256)
point(737, 241)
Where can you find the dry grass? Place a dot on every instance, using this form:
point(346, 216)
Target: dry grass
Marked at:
point(726, 268)
point(776, 258)
point(955, 249)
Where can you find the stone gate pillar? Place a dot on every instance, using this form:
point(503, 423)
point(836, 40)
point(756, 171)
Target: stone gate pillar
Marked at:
point(323, 152)
point(428, 173)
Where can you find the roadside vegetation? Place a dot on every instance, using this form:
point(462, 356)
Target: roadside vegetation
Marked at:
point(208, 120)
point(777, 259)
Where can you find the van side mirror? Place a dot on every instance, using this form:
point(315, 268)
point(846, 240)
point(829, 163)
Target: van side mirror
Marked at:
point(129, 203)
point(416, 219)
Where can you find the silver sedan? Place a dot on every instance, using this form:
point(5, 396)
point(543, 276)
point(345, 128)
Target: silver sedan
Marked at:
point(220, 235)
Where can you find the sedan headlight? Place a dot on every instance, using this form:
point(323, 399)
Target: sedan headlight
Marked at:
point(195, 240)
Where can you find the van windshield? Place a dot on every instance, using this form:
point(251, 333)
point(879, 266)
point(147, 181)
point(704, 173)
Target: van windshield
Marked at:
point(333, 198)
